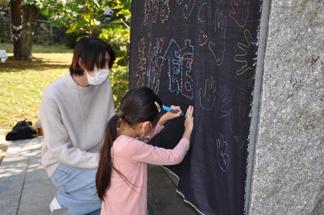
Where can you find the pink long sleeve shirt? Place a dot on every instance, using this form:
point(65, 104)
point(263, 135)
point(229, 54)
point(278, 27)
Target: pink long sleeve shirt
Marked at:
point(130, 157)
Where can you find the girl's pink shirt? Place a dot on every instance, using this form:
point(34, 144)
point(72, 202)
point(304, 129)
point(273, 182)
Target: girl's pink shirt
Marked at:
point(130, 157)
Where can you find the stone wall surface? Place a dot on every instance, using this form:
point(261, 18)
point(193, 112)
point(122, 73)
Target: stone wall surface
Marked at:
point(288, 172)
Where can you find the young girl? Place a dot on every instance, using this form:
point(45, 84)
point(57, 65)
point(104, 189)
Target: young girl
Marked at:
point(122, 173)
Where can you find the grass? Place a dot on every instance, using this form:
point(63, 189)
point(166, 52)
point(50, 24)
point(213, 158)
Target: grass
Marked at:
point(22, 83)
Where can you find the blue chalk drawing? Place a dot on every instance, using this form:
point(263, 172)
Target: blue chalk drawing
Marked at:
point(179, 61)
point(202, 12)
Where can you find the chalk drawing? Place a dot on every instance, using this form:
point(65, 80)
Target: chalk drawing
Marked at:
point(202, 38)
point(187, 54)
point(150, 62)
point(220, 26)
point(155, 10)
point(187, 7)
point(179, 61)
point(240, 12)
point(244, 55)
point(174, 71)
point(164, 11)
point(147, 11)
point(155, 63)
point(207, 94)
point(141, 65)
point(225, 96)
point(202, 12)
point(223, 157)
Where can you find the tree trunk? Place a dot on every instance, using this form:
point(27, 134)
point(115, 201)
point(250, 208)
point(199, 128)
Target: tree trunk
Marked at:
point(23, 18)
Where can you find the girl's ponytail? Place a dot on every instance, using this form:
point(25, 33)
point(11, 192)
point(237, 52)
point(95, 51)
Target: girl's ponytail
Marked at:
point(103, 177)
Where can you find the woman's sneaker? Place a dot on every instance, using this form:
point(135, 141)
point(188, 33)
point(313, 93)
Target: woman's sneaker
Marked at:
point(54, 205)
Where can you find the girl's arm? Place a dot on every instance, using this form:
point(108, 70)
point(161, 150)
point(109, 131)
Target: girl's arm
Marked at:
point(164, 118)
point(170, 115)
point(140, 151)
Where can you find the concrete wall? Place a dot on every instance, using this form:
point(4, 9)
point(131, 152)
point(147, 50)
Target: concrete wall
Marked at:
point(288, 151)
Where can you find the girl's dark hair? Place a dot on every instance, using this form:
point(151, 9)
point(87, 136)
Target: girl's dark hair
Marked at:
point(138, 105)
point(91, 51)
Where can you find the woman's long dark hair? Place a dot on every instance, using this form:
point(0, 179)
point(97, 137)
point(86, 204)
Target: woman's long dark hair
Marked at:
point(138, 105)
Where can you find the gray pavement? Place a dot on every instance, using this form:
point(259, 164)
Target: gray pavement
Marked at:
point(25, 188)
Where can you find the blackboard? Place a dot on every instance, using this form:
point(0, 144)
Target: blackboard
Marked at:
point(201, 52)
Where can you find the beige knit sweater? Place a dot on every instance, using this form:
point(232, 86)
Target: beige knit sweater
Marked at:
point(73, 119)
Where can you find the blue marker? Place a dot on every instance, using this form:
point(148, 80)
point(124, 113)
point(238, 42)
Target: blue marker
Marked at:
point(169, 109)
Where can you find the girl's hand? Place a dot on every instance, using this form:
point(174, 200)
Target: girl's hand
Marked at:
point(176, 112)
point(189, 122)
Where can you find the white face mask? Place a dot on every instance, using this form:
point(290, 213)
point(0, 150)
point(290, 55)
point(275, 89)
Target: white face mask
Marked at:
point(98, 76)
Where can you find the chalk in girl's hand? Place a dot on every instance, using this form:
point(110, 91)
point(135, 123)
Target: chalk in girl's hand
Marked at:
point(169, 109)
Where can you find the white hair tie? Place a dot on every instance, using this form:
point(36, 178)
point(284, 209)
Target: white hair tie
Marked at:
point(157, 106)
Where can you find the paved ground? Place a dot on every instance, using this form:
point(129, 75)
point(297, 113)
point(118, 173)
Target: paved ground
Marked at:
point(26, 190)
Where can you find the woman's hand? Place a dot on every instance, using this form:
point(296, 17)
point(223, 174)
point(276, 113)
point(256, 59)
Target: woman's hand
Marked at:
point(189, 123)
point(175, 113)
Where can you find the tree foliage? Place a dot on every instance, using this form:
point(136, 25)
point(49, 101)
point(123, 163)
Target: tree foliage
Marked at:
point(87, 18)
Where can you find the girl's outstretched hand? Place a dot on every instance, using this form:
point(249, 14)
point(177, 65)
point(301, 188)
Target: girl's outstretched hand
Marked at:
point(175, 113)
point(189, 122)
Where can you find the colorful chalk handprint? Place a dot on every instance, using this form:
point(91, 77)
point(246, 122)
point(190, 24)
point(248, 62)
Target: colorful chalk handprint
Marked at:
point(244, 55)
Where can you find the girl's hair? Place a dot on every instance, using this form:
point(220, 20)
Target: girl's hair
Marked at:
point(138, 105)
point(91, 52)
